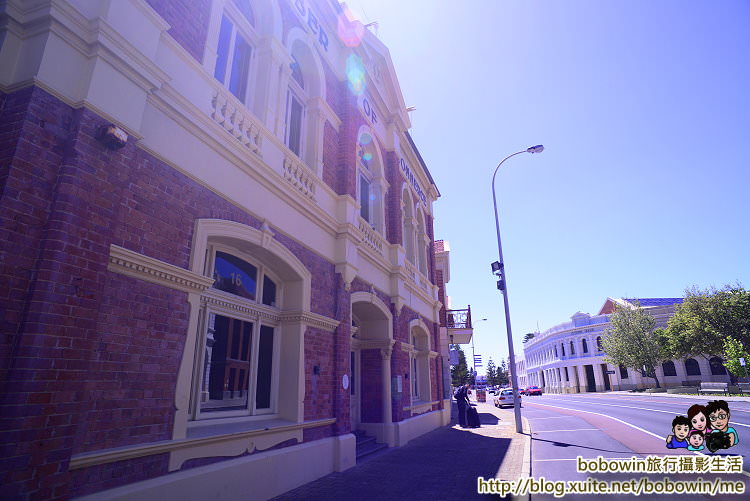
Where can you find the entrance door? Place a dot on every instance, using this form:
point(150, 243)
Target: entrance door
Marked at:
point(354, 389)
point(606, 377)
point(590, 380)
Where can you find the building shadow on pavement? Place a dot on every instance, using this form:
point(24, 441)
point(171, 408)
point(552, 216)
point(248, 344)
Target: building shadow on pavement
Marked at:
point(441, 465)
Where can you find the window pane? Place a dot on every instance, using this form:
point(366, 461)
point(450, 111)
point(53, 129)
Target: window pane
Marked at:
point(295, 124)
point(222, 50)
point(364, 198)
point(244, 7)
point(265, 364)
point(226, 368)
point(235, 276)
point(269, 291)
point(297, 72)
point(240, 68)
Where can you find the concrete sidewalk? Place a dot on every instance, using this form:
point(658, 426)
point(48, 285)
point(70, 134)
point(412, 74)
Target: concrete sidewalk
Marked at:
point(441, 465)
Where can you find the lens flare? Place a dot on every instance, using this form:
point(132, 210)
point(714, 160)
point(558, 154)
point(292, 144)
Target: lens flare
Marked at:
point(365, 139)
point(355, 74)
point(367, 157)
point(350, 32)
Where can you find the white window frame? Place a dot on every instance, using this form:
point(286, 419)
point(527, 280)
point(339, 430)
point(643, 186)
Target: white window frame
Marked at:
point(375, 201)
point(242, 26)
point(422, 243)
point(295, 92)
point(407, 224)
point(246, 310)
point(419, 365)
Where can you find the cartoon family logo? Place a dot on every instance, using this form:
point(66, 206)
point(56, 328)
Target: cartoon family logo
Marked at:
point(705, 427)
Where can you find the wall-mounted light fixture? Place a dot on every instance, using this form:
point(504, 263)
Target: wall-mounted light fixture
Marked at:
point(112, 136)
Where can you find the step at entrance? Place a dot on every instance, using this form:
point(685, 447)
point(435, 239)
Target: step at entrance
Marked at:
point(366, 445)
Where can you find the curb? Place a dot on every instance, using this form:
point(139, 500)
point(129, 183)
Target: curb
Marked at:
point(526, 465)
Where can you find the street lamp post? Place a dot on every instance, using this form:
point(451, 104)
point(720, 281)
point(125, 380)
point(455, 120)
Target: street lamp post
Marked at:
point(502, 284)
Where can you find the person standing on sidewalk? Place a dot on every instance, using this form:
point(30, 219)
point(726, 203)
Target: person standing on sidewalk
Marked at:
point(462, 400)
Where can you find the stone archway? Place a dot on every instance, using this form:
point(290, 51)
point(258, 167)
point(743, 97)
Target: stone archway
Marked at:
point(370, 358)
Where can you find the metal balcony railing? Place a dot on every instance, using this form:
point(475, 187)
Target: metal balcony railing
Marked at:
point(458, 319)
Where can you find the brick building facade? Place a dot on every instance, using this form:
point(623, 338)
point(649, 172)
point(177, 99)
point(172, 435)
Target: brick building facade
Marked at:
point(216, 260)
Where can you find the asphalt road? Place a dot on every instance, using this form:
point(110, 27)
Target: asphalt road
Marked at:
point(616, 426)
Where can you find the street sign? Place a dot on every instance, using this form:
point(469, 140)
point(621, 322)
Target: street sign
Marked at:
point(610, 372)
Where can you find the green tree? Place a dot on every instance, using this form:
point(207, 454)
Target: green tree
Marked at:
point(733, 351)
point(460, 372)
point(491, 373)
point(632, 341)
point(502, 373)
point(706, 318)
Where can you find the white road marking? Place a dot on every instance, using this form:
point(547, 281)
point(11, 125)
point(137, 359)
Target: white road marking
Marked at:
point(654, 399)
point(643, 409)
point(576, 429)
point(697, 453)
point(552, 417)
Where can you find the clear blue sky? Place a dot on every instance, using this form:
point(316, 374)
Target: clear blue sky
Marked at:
point(644, 110)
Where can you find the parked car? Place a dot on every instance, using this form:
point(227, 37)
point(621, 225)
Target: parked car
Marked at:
point(533, 390)
point(522, 391)
point(505, 397)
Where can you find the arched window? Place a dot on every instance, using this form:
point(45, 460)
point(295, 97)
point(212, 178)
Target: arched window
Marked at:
point(555, 351)
point(668, 368)
point(295, 107)
point(562, 347)
point(585, 346)
point(572, 348)
point(419, 362)
point(717, 366)
point(371, 184)
point(423, 243)
point(234, 49)
point(598, 343)
point(691, 367)
point(240, 357)
point(407, 223)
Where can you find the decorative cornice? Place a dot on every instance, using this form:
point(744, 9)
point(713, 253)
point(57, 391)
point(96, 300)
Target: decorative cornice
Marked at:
point(89, 459)
point(225, 301)
point(311, 319)
point(136, 265)
point(408, 348)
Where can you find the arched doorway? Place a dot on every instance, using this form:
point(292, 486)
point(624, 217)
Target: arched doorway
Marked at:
point(370, 367)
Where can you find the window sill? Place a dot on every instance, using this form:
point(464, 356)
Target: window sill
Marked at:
point(214, 439)
point(421, 406)
point(234, 425)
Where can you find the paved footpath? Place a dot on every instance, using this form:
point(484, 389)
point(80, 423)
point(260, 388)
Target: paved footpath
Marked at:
point(441, 465)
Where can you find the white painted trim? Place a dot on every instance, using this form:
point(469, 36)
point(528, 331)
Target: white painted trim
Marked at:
point(142, 267)
point(89, 459)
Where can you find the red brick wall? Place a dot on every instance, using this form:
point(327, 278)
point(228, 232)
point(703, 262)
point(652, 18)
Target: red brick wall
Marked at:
point(319, 388)
point(188, 21)
point(98, 478)
point(96, 352)
point(330, 157)
point(371, 386)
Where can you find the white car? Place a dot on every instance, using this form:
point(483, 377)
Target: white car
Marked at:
point(505, 398)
